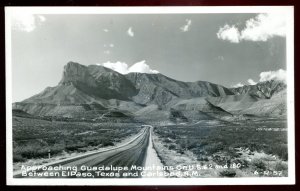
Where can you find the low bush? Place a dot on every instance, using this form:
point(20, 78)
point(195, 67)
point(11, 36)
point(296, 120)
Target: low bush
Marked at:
point(18, 158)
point(172, 147)
point(167, 140)
point(227, 173)
point(280, 166)
point(106, 143)
point(259, 164)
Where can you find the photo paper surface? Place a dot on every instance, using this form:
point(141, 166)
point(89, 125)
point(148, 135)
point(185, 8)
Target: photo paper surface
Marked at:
point(150, 95)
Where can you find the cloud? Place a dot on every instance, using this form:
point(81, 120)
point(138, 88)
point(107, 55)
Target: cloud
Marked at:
point(230, 33)
point(237, 85)
point(25, 21)
point(105, 30)
point(264, 26)
point(279, 75)
point(142, 67)
point(186, 27)
point(260, 28)
point(130, 32)
point(122, 67)
point(251, 82)
point(111, 45)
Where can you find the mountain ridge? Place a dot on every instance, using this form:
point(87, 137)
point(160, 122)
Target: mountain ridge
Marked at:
point(103, 89)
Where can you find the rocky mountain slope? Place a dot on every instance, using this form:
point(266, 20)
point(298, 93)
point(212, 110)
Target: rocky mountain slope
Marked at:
point(93, 91)
point(262, 90)
point(265, 98)
point(160, 89)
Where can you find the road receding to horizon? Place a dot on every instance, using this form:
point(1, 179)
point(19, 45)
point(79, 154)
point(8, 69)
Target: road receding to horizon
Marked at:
point(127, 161)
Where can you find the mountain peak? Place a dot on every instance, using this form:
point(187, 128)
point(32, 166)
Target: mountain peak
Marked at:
point(73, 66)
point(73, 63)
point(76, 73)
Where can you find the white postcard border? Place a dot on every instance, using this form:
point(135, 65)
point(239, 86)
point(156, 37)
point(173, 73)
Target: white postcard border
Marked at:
point(288, 10)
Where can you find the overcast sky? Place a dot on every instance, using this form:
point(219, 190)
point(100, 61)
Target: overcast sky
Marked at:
point(227, 49)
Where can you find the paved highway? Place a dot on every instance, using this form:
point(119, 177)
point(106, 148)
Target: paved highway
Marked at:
point(132, 153)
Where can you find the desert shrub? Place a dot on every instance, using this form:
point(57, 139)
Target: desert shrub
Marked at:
point(201, 158)
point(232, 153)
point(280, 166)
point(191, 145)
point(220, 160)
point(30, 152)
point(172, 136)
point(204, 143)
point(259, 164)
point(172, 147)
point(92, 141)
point(71, 148)
point(180, 151)
point(74, 146)
point(227, 173)
point(282, 152)
point(213, 148)
point(254, 146)
point(166, 140)
point(18, 158)
point(107, 142)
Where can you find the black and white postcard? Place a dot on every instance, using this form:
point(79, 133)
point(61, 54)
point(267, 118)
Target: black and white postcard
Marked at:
point(150, 95)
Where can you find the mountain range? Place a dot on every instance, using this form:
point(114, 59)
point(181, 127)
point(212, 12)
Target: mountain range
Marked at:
point(96, 92)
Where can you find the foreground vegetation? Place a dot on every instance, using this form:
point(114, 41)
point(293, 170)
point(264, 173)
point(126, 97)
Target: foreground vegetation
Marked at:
point(34, 138)
point(258, 145)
